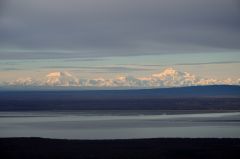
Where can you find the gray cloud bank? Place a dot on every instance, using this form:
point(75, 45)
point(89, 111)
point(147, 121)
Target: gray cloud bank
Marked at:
point(33, 29)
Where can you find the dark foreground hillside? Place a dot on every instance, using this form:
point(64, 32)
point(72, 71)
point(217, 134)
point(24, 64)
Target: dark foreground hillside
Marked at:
point(186, 98)
point(165, 148)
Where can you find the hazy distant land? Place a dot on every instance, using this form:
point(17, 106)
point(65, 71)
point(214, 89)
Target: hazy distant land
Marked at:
point(186, 98)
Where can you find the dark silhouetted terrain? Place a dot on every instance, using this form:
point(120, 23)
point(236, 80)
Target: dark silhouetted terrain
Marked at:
point(165, 148)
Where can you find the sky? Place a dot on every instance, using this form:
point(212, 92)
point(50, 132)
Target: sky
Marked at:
point(107, 38)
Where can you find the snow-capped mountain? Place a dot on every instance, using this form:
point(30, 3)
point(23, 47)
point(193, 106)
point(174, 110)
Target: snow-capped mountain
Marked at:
point(61, 79)
point(167, 78)
point(172, 77)
point(28, 81)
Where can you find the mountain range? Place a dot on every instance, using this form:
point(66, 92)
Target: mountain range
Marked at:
point(167, 78)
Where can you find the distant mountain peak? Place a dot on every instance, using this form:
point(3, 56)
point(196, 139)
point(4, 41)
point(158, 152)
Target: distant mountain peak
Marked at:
point(61, 79)
point(169, 72)
point(58, 74)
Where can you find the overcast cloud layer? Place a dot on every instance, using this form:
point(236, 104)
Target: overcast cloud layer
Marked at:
point(94, 28)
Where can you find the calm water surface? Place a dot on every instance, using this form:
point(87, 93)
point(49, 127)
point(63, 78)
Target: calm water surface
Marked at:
point(119, 124)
